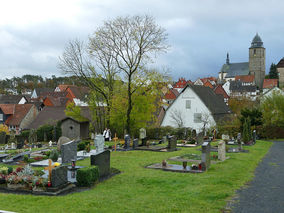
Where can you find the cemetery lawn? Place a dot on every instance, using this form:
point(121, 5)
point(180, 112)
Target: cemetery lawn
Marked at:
point(138, 189)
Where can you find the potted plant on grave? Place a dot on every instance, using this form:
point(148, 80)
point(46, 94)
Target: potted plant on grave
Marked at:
point(39, 184)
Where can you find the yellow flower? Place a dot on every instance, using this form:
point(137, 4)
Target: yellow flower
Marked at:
point(56, 164)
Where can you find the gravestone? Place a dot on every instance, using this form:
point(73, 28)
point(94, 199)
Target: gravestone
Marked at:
point(99, 143)
point(222, 151)
point(239, 136)
point(126, 141)
point(135, 143)
point(172, 143)
point(225, 138)
point(62, 140)
point(199, 138)
point(102, 160)
point(254, 136)
point(69, 151)
point(142, 136)
point(59, 176)
point(13, 146)
point(205, 156)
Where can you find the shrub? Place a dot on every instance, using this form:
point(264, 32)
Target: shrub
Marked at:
point(81, 146)
point(54, 155)
point(87, 176)
point(46, 132)
point(10, 170)
point(26, 158)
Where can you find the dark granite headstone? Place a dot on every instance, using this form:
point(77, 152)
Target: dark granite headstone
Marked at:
point(205, 156)
point(135, 143)
point(102, 160)
point(172, 143)
point(144, 141)
point(59, 176)
point(69, 152)
point(126, 141)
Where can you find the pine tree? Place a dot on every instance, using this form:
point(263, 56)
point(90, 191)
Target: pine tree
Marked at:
point(273, 74)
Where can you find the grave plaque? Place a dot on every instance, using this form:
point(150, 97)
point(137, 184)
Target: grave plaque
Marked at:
point(99, 143)
point(69, 151)
point(102, 160)
point(135, 143)
point(221, 151)
point(59, 176)
point(205, 156)
point(172, 143)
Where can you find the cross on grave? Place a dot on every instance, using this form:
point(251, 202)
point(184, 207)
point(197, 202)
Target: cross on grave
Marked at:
point(115, 139)
point(49, 168)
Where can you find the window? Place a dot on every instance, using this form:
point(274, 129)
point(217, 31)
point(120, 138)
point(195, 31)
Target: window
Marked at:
point(197, 117)
point(254, 52)
point(187, 104)
point(1, 117)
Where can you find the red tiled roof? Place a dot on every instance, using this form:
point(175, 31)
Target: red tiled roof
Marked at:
point(270, 83)
point(219, 90)
point(53, 94)
point(208, 78)
point(245, 78)
point(180, 84)
point(171, 94)
point(20, 113)
point(8, 109)
point(208, 84)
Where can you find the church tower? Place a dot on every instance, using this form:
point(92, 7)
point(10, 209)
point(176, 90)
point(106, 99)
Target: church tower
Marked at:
point(257, 60)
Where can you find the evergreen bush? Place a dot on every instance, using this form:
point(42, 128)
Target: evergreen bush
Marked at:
point(87, 176)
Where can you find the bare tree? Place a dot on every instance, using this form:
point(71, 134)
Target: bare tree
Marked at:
point(177, 117)
point(205, 119)
point(133, 41)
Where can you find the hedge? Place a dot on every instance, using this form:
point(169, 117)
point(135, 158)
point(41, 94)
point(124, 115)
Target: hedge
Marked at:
point(87, 176)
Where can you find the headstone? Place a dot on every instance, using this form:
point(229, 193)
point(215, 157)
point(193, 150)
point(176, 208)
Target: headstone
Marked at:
point(135, 143)
point(92, 136)
point(172, 143)
point(62, 140)
point(50, 143)
point(222, 151)
point(239, 136)
point(13, 146)
point(99, 143)
point(126, 141)
point(69, 152)
point(199, 138)
point(102, 160)
point(142, 134)
point(254, 136)
point(205, 156)
point(225, 138)
point(59, 176)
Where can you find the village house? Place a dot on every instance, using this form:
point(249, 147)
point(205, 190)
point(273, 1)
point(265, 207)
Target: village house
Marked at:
point(269, 84)
point(197, 107)
point(280, 70)
point(13, 99)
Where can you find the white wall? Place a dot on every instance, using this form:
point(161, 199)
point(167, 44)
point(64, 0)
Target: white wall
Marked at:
point(197, 106)
point(226, 87)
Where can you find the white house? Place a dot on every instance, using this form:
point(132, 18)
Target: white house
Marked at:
point(195, 107)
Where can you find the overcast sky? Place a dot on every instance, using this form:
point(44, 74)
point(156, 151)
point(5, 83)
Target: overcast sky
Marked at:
point(33, 33)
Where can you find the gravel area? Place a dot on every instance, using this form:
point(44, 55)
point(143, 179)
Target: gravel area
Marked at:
point(265, 193)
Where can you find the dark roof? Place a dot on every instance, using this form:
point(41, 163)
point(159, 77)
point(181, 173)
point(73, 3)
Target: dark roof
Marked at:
point(10, 99)
point(215, 103)
point(256, 42)
point(238, 86)
point(51, 115)
point(280, 63)
point(54, 94)
point(39, 91)
point(235, 69)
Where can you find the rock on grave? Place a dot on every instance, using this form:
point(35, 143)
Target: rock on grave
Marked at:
point(59, 176)
point(99, 143)
point(69, 151)
point(135, 143)
point(205, 156)
point(222, 151)
point(172, 145)
point(102, 160)
point(62, 140)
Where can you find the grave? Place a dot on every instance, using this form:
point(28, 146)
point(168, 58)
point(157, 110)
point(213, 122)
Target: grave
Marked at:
point(142, 136)
point(254, 136)
point(69, 151)
point(173, 168)
point(126, 142)
point(59, 176)
point(205, 156)
point(222, 151)
point(102, 160)
point(99, 143)
point(3, 156)
point(135, 143)
point(172, 143)
point(62, 140)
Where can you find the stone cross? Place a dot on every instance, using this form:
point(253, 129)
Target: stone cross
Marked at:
point(221, 151)
point(115, 139)
point(49, 168)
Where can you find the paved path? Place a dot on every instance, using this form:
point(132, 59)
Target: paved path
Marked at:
point(266, 192)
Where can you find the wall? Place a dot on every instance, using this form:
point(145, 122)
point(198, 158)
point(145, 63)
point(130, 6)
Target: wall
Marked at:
point(197, 106)
point(281, 76)
point(70, 129)
point(257, 64)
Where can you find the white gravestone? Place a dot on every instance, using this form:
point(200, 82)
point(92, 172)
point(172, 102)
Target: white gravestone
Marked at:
point(50, 143)
point(142, 134)
point(13, 146)
point(99, 143)
point(221, 151)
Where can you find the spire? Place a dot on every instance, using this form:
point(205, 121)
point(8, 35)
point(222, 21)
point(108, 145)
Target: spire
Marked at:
point(227, 60)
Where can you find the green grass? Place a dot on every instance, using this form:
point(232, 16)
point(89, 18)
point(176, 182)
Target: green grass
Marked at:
point(138, 189)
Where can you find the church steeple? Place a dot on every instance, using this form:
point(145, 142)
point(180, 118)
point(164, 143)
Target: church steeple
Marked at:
point(227, 60)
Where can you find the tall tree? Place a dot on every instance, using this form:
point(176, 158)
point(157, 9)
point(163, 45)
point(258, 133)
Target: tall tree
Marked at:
point(133, 41)
point(273, 74)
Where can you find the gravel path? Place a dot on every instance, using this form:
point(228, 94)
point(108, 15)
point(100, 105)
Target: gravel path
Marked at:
point(266, 192)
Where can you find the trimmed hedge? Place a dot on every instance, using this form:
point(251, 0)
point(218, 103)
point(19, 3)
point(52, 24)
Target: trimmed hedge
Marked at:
point(82, 145)
point(87, 176)
point(158, 132)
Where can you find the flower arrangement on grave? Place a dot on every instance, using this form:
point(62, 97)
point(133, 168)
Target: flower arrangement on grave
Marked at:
point(4, 170)
point(39, 182)
point(88, 148)
point(54, 155)
point(20, 178)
